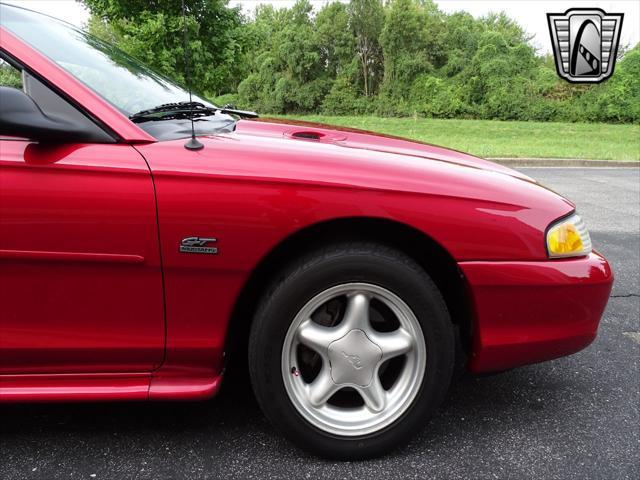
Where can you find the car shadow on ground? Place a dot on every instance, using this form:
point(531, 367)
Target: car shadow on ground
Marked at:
point(476, 406)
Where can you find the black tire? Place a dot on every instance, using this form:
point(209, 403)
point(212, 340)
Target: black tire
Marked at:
point(331, 266)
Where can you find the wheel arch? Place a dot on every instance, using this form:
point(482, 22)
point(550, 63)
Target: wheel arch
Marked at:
point(434, 258)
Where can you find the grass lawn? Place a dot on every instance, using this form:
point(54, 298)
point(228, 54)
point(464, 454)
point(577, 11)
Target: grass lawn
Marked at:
point(490, 138)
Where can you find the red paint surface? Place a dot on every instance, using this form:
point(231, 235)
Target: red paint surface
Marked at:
point(530, 312)
point(97, 302)
point(80, 279)
point(73, 388)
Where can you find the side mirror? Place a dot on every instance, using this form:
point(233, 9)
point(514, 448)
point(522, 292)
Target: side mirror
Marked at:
point(21, 117)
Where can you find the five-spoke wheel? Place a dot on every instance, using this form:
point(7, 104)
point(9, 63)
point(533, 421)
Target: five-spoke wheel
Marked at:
point(336, 379)
point(351, 350)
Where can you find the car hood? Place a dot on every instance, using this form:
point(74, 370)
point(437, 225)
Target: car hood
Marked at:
point(318, 156)
point(356, 139)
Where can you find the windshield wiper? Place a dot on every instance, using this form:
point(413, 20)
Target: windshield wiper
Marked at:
point(186, 110)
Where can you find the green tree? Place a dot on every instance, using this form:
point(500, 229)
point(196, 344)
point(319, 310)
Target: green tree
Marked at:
point(152, 30)
point(290, 70)
point(412, 44)
point(617, 99)
point(366, 18)
point(335, 40)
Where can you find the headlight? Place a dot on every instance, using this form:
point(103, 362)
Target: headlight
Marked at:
point(568, 238)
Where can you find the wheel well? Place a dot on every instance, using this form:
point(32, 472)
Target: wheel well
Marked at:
point(436, 261)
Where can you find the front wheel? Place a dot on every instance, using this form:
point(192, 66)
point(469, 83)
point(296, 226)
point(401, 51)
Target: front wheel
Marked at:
point(352, 351)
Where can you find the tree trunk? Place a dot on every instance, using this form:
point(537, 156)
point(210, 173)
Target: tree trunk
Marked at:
point(365, 73)
point(364, 50)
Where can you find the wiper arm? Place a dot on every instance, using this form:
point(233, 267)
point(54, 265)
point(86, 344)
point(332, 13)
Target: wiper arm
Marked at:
point(186, 110)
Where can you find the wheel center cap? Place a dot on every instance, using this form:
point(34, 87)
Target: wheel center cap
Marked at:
point(353, 358)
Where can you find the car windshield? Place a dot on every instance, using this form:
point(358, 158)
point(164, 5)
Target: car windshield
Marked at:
point(117, 77)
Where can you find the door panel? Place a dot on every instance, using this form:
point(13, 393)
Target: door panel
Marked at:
point(80, 277)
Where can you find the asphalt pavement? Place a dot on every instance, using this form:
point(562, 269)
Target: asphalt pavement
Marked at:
point(576, 417)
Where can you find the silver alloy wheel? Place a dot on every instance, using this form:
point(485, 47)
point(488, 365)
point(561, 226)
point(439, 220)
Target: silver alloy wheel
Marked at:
point(352, 353)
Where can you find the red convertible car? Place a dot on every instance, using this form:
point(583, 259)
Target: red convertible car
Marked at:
point(357, 273)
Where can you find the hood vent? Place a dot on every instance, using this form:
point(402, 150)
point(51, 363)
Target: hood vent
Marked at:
point(315, 136)
point(308, 135)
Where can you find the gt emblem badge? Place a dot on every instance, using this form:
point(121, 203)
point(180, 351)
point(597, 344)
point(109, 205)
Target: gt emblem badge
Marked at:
point(585, 43)
point(198, 245)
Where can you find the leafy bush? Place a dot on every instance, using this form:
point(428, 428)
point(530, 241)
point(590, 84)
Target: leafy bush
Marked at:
point(227, 99)
point(434, 97)
point(9, 76)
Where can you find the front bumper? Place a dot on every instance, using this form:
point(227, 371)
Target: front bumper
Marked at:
point(528, 312)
